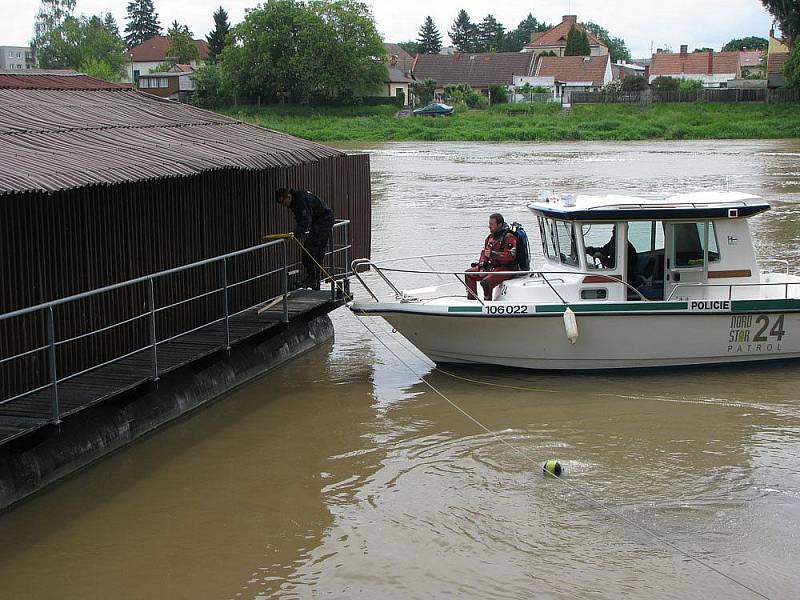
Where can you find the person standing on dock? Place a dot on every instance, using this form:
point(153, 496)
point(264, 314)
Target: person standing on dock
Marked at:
point(313, 226)
point(499, 254)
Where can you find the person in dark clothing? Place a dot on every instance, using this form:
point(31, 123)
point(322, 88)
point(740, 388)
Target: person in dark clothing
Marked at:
point(499, 254)
point(607, 255)
point(313, 226)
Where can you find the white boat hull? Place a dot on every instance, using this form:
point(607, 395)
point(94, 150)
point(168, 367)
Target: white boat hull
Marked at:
point(605, 341)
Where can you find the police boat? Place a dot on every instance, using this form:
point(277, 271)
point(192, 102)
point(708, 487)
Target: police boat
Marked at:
point(624, 282)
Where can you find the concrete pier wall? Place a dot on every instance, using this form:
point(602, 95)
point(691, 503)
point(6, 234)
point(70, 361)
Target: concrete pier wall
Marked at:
point(29, 465)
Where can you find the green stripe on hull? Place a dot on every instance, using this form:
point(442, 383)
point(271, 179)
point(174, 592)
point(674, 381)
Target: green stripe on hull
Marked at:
point(762, 305)
point(464, 309)
point(620, 307)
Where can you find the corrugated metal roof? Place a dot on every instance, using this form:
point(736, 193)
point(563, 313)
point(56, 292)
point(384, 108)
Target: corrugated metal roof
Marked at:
point(59, 139)
point(55, 80)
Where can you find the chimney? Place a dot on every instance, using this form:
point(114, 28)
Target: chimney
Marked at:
point(710, 62)
point(684, 49)
point(571, 19)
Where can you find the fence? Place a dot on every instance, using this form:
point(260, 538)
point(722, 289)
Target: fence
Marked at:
point(678, 96)
point(221, 311)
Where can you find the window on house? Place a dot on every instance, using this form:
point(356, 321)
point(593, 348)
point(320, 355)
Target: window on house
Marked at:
point(144, 83)
point(162, 82)
point(10, 54)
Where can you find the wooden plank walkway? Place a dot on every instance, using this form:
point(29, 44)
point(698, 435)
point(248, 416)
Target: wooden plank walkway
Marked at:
point(31, 412)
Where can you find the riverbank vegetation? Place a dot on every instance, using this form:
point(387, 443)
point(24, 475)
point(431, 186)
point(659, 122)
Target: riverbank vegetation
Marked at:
point(532, 122)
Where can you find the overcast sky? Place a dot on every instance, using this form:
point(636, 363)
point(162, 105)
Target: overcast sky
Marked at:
point(698, 23)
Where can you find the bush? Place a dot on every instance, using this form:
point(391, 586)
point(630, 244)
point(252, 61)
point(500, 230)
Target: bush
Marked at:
point(662, 83)
point(792, 68)
point(498, 94)
point(424, 90)
point(633, 83)
point(690, 85)
point(462, 94)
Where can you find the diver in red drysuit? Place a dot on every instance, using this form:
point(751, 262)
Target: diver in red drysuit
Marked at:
point(499, 254)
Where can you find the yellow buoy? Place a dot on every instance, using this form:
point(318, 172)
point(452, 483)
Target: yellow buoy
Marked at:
point(552, 467)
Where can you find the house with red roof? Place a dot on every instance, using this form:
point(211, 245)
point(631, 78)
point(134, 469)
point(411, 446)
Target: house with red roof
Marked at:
point(713, 69)
point(153, 52)
point(479, 71)
point(573, 73)
point(777, 55)
point(555, 39)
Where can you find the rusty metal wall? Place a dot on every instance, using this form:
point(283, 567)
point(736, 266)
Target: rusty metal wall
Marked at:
point(53, 246)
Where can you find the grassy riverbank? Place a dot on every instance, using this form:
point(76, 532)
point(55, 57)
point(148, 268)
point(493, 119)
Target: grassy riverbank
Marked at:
point(537, 122)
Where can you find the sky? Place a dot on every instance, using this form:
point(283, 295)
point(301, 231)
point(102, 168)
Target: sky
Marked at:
point(641, 23)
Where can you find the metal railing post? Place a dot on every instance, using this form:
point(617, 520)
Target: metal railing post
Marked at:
point(51, 340)
point(225, 303)
point(332, 264)
point(153, 339)
point(285, 282)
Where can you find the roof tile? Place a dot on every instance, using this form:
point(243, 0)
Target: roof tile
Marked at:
point(476, 70)
point(574, 68)
point(155, 49)
point(694, 63)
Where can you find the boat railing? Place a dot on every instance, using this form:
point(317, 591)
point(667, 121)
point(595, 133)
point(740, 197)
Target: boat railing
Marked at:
point(780, 261)
point(731, 286)
point(379, 267)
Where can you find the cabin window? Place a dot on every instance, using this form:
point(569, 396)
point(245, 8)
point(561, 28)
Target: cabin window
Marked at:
point(567, 245)
point(599, 240)
point(689, 241)
point(547, 230)
point(646, 236)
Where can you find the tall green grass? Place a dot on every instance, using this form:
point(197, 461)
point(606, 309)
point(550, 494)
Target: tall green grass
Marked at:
point(533, 122)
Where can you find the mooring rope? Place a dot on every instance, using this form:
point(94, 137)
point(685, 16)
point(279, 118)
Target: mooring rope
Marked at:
point(650, 532)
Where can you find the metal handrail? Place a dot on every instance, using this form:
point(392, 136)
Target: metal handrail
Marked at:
point(337, 272)
point(366, 263)
point(730, 286)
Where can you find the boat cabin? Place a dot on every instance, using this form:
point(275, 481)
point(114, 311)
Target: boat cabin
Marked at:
point(692, 246)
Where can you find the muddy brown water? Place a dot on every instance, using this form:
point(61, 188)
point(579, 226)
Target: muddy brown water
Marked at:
point(342, 475)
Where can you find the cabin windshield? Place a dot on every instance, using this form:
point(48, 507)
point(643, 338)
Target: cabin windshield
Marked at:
point(559, 243)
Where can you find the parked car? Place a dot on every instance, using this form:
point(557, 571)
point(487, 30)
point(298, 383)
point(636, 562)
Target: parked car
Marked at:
point(434, 109)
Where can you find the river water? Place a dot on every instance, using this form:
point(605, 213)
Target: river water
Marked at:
point(343, 475)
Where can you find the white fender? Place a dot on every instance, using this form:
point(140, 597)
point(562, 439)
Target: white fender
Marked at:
point(571, 325)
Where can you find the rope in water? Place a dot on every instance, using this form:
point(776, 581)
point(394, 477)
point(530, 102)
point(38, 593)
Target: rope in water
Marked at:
point(650, 532)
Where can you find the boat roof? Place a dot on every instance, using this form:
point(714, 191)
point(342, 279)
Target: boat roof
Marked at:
point(697, 205)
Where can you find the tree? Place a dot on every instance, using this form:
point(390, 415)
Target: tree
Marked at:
point(577, 43)
point(182, 48)
point(490, 34)
point(49, 19)
point(424, 90)
point(787, 12)
point(142, 22)
point(464, 33)
point(617, 47)
point(110, 23)
point(515, 39)
point(706, 50)
point(748, 43)
point(216, 39)
point(291, 50)
point(430, 40)
point(791, 69)
point(411, 47)
point(86, 44)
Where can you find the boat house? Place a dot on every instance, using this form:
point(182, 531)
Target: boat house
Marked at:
point(101, 184)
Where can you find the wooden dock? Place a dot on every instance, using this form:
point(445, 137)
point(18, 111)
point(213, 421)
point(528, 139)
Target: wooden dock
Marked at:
point(34, 411)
